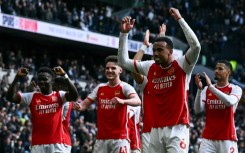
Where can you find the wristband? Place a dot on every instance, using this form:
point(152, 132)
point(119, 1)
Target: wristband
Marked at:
point(161, 35)
point(66, 76)
point(143, 47)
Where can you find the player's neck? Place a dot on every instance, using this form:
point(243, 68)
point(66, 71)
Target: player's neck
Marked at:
point(47, 91)
point(166, 65)
point(222, 83)
point(114, 82)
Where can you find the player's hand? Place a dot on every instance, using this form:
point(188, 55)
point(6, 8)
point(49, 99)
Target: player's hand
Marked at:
point(77, 106)
point(59, 71)
point(146, 39)
point(117, 100)
point(208, 81)
point(34, 86)
point(162, 30)
point(127, 24)
point(175, 13)
point(198, 81)
point(22, 72)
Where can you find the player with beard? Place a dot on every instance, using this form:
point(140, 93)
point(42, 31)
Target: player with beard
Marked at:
point(168, 85)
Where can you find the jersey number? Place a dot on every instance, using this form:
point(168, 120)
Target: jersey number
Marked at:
point(123, 149)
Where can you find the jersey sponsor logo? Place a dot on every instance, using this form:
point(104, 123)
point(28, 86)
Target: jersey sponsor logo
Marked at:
point(117, 92)
point(106, 104)
point(46, 109)
point(164, 82)
point(164, 79)
point(182, 144)
point(215, 101)
point(215, 104)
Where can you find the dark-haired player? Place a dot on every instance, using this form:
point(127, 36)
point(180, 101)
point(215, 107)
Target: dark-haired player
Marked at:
point(112, 100)
point(168, 85)
point(46, 109)
point(219, 101)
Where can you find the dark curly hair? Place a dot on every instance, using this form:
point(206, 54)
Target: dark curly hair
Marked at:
point(46, 70)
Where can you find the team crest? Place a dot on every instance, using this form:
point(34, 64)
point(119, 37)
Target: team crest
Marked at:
point(54, 99)
point(210, 94)
point(155, 73)
point(102, 93)
point(117, 92)
point(171, 71)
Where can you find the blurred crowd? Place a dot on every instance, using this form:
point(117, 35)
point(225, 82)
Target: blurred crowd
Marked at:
point(219, 25)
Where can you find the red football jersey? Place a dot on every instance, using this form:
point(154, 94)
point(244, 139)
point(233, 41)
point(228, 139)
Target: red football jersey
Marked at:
point(111, 119)
point(46, 117)
point(134, 127)
point(168, 90)
point(219, 117)
point(66, 113)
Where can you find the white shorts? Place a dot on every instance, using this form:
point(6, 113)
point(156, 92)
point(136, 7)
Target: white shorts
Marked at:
point(214, 146)
point(174, 139)
point(145, 142)
point(51, 148)
point(112, 146)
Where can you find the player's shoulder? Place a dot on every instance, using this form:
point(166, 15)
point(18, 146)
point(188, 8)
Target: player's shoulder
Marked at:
point(102, 85)
point(125, 84)
point(234, 86)
point(26, 94)
point(205, 88)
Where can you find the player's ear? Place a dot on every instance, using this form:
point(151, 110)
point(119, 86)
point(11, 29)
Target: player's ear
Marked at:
point(121, 70)
point(52, 82)
point(170, 51)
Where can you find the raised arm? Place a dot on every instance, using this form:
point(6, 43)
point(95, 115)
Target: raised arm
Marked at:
point(198, 104)
point(193, 52)
point(127, 24)
point(71, 94)
point(139, 55)
point(228, 99)
point(12, 94)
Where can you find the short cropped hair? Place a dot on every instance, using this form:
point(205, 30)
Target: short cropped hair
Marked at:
point(227, 63)
point(46, 70)
point(165, 39)
point(111, 58)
